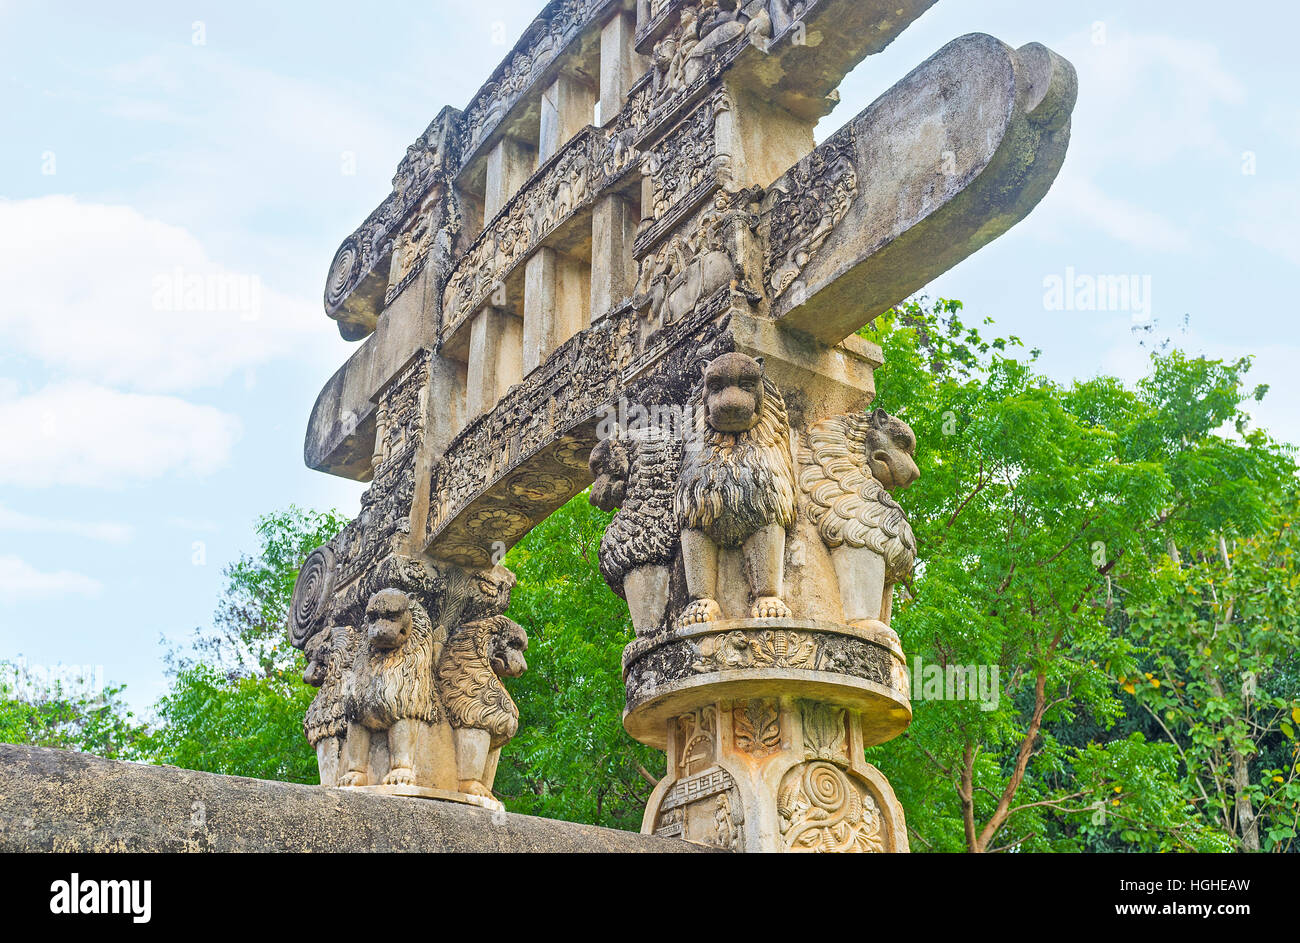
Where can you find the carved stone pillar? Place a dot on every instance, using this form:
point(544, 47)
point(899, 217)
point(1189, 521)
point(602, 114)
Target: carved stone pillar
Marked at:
point(613, 267)
point(774, 773)
point(509, 166)
point(758, 554)
point(567, 107)
point(620, 66)
point(495, 359)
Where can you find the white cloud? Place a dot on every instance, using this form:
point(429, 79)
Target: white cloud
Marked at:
point(17, 521)
point(104, 293)
point(79, 433)
point(1146, 102)
point(1118, 218)
point(1148, 99)
point(1268, 220)
point(19, 580)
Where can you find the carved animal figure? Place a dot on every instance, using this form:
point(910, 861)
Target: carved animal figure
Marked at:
point(737, 486)
point(635, 474)
point(852, 464)
point(330, 653)
point(482, 714)
point(390, 691)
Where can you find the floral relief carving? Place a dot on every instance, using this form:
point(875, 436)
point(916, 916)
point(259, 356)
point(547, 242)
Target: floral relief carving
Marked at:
point(757, 726)
point(825, 733)
point(804, 207)
point(823, 809)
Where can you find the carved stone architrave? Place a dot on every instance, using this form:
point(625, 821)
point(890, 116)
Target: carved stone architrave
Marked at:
point(571, 181)
point(803, 208)
point(544, 41)
point(359, 276)
point(685, 168)
point(516, 464)
point(759, 543)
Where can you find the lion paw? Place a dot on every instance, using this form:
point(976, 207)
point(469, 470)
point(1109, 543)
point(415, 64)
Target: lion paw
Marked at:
point(880, 631)
point(354, 778)
point(770, 607)
point(401, 776)
point(473, 787)
point(700, 611)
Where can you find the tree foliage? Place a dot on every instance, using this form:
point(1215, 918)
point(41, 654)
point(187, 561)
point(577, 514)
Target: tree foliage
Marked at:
point(237, 697)
point(72, 713)
point(1044, 518)
point(1124, 557)
point(571, 759)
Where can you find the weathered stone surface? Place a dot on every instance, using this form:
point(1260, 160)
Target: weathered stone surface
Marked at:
point(661, 297)
point(51, 800)
point(939, 166)
point(672, 672)
point(773, 773)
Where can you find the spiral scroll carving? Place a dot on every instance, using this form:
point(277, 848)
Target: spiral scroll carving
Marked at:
point(823, 810)
point(342, 274)
point(311, 595)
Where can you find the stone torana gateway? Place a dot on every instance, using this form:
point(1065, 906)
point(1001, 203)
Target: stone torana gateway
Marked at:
point(627, 265)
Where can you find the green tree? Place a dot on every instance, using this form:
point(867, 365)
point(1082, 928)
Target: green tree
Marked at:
point(1221, 645)
point(67, 714)
point(571, 758)
point(237, 698)
point(1042, 516)
point(247, 637)
point(249, 726)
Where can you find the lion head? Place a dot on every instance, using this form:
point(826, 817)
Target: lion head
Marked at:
point(889, 448)
point(851, 465)
point(475, 658)
point(388, 619)
point(737, 469)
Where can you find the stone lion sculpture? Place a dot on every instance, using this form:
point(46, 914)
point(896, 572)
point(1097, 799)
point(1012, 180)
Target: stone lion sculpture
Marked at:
point(634, 474)
point(330, 653)
point(483, 716)
point(737, 486)
point(852, 464)
point(390, 691)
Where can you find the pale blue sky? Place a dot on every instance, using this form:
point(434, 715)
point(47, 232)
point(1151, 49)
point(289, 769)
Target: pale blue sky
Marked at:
point(139, 431)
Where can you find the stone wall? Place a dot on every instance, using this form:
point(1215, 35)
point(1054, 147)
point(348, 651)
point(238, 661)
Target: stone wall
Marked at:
point(52, 800)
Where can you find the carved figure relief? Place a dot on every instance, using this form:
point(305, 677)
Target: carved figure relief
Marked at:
point(704, 807)
point(432, 157)
point(330, 654)
point(482, 714)
point(767, 649)
point(635, 473)
point(586, 165)
point(737, 486)
point(390, 691)
point(851, 465)
point(805, 206)
point(682, 170)
point(692, 266)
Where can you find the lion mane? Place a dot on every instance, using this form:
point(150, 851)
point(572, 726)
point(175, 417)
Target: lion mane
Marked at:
point(472, 692)
point(386, 687)
point(735, 483)
point(326, 716)
point(644, 532)
point(848, 505)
